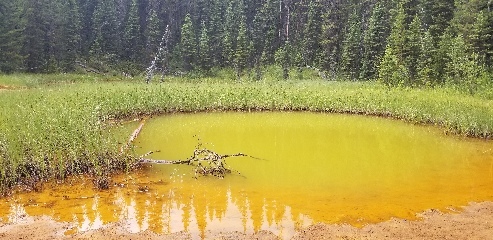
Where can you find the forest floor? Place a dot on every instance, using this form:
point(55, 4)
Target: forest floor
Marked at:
point(472, 222)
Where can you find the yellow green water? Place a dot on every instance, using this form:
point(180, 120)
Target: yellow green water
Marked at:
point(311, 168)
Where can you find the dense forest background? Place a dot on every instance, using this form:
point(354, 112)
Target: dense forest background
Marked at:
point(411, 42)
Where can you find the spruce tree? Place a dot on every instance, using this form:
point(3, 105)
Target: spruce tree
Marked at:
point(426, 67)
point(87, 36)
point(374, 41)
point(442, 55)
point(267, 24)
point(462, 67)
point(441, 11)
point(230, 33)
point(413, 48)
point(105, 30)
point(391, 72)
point(332, 34)
point(188, 45)
point(205, 56)
point(351, 48)
point(132, 47)
point(482, 36)
point(10, 37)
point(68, 34)
point(311, 35)
point(153, 35)
point(215, 30)
point(242, 52)
point(35, 45)
point(394, 57)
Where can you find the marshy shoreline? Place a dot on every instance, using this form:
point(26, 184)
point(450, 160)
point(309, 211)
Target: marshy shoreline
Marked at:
point(59, 125)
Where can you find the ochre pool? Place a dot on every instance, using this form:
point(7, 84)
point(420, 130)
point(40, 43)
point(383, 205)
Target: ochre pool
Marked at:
point(308, 168)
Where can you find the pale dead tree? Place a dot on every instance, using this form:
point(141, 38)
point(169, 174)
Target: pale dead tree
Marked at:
point(161, 58)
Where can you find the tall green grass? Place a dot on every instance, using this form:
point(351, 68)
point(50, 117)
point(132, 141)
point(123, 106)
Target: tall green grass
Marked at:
point(52, 130)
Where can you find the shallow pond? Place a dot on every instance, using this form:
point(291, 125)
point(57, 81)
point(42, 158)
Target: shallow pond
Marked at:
point(307, 168)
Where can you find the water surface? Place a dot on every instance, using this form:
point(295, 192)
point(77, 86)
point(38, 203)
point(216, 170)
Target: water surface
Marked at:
point(308, 168)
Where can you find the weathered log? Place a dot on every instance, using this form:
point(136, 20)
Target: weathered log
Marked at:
point(133, 136)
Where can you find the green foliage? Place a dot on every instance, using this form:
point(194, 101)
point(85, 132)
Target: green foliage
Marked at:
point(413, 50)
point(153, 36)
point(341, 38)
point(132, 47)
point(10, 37)
point(463, 69)
point(426, 67)
point(242, 52)
point(188, 45)
point(266, 35)
point(282, 59)
point(391, 71)
point(312, 31)
point(230, 33)
point(205, 53)
point(374, 41)
point(482, 36)
point(351, 47)
point(107, 40)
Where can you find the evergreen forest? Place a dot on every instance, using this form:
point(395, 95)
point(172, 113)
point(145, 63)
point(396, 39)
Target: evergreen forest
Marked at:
point(398, 42)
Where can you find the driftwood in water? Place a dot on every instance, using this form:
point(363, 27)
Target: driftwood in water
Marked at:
point(206, 162)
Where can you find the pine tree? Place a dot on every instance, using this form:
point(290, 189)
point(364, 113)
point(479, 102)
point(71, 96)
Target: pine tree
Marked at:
point(105, 29)
point(463, 68)
point(132, 47)
point(391, 72)
point(230, 33)
point(68, 34)
point(35, 46)
point(413, 48)
point(374, 41)
point(152, 35)
point(426, 67)
point(351, 48)
point(87, 36)
point(267, 27)
point(394, 57)
point(10, 37)
point(188, 45)
point(332, 34)
point(215, 30)
point(242, 52)
point(482, 36)
point(205, 58)
point(312, 31)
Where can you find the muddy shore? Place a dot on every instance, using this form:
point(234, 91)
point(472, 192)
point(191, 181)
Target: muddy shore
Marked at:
point(472, 222)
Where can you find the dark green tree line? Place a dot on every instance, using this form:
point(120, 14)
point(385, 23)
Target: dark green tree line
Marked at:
point(400, 42)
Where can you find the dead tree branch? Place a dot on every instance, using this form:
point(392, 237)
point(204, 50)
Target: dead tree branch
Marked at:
point(133, 136)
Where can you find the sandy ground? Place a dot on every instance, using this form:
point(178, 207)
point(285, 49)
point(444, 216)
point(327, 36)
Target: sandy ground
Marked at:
point(473, 222)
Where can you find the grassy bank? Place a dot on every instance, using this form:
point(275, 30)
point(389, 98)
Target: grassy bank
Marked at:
point(50, 129)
